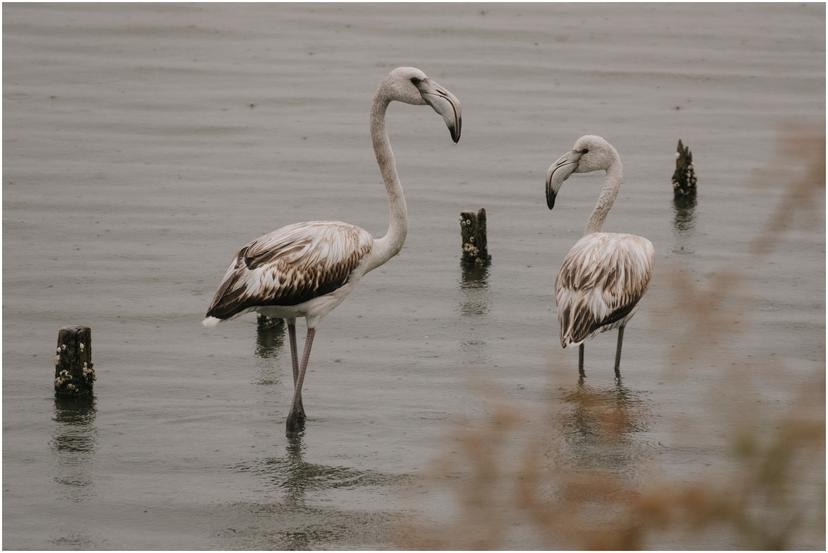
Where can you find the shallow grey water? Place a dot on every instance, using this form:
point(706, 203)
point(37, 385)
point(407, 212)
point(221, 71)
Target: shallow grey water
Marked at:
point(144, 144)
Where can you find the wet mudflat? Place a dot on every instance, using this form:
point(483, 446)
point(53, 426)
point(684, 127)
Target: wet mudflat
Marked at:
point(144, 144)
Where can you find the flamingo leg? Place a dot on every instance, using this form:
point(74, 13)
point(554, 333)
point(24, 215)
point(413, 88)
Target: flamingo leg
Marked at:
point(581, 361)
point(618, 352)
point(294, 357)
point(296, 420)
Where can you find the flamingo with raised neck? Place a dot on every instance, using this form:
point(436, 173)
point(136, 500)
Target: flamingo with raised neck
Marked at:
point(307, 269)
point(604, 275)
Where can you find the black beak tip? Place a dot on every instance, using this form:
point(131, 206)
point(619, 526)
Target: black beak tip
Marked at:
point(550, 197)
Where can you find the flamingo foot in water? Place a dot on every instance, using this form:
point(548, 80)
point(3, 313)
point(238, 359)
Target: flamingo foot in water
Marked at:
point(295, 423)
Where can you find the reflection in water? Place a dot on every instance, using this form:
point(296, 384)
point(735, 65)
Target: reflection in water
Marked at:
point(474, 306)
point(683, 209)
point(684, 221)
point(74, 441)
point(295, 473)
point(270, 336)
point(474, 283)
point(292, 474)
point(302, 526)
point(294, 483)
point(601, 424)
point(270, 339)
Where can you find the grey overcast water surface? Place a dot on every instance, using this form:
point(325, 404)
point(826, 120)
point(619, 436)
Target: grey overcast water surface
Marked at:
point(143, 144)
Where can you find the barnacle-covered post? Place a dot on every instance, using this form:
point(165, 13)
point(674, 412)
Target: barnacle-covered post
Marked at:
point(74, 375)
point(473, 237)
point(684, 177)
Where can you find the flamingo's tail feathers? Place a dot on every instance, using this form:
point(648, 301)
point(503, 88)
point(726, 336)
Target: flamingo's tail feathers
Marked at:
point(211, 322)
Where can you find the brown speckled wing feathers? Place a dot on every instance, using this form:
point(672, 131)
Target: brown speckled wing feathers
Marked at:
point(600, 282)
point(290, 266)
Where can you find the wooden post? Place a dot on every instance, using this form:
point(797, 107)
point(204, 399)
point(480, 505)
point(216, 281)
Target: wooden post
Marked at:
point(74, 374)
point(473, 237)
point(270, 335)
point(684, 177)
point(263, 322)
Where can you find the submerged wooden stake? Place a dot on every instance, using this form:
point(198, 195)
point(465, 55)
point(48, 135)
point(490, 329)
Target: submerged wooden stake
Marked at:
point(263, 322)
point(473, 236)
point(684, 177)
point(74, 374)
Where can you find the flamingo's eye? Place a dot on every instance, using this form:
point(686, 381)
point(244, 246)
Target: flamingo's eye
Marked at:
point(584, 151)
point(416, 80)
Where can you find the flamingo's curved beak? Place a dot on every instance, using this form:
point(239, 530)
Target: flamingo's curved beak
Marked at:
point(559, 172)
point(446, 104)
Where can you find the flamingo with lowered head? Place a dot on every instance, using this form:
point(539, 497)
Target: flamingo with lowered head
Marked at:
point(604, 275)
point(307, 269)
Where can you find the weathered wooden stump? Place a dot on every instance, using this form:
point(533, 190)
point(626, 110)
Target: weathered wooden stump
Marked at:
point(684, 177)
point(74, 375)
point(263, 322)
point(473, 237)
point(270, 336)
